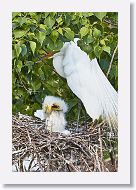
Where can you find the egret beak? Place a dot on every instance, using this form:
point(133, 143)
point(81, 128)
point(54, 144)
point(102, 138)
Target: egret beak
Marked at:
point(47, 109)
point(50, 54)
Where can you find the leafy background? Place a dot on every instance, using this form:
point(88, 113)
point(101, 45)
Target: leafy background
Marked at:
point(37, 34)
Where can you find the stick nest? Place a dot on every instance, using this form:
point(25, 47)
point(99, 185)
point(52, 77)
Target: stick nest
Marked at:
point(93, 149)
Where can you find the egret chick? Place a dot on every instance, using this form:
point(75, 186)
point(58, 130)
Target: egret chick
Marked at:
point(53, 112)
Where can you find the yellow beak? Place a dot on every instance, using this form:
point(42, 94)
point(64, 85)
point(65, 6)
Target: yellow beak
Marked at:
point(48, 109)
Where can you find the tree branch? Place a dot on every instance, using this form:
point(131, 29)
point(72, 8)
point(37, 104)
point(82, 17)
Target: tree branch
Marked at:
point(110, 65)
point(115, 25)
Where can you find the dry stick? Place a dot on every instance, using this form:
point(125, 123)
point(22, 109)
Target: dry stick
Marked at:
point(110, 22)
point(21, 81)
point(54, 71)
point(18, 151)
point(50, 152)
point(30, 141)
point(30, 164)
point(89, 168)
point(109, 69)
point(97, 160)
point(69, 163)
point(101, 151)
point(60, 145)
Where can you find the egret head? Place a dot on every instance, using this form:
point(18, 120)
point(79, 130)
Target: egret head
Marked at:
point(54, 104)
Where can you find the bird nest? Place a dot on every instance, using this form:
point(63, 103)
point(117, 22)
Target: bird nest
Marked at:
point(93, 149)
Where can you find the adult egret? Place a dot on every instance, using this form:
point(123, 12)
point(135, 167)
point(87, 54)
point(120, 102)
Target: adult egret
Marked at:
point(53, 112)
point(87, 81)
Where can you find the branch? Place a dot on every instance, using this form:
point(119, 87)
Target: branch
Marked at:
point(109, 69)
point(101, 149)
point(21, 82)
point(115, 25)
point(41, 60)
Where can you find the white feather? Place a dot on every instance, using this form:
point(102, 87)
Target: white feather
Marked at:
point(54, 121)
point(87, 81)
point(40, 114)
point(58, 59)
point(50, 100)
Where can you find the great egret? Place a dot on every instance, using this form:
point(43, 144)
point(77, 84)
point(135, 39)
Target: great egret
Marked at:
point(53, 112)
point(87, 81)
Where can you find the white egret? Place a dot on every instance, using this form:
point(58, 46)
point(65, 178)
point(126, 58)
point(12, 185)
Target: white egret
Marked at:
point(53, 112)
point(87, 81)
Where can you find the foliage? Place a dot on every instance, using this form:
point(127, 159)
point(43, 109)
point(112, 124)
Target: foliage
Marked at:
point(36, 34)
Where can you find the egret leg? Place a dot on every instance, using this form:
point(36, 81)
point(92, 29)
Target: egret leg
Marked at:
point(78, 116)
point(85, 120)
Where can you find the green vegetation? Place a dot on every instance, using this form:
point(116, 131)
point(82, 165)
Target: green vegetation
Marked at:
point(36, 34)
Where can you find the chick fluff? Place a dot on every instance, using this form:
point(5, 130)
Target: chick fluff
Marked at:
point(53, 112)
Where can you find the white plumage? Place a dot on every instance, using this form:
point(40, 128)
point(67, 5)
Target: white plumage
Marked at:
point(87, 81)
point(53, 111)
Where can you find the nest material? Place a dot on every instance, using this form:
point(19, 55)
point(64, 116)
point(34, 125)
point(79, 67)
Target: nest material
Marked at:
point(37, 150)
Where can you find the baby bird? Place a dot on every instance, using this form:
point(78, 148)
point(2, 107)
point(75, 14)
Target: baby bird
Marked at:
point(53, 112)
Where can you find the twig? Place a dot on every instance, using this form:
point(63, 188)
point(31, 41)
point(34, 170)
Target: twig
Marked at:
point(110, 65)
point(97, 160)
point(101, 149)
point(69, 163)
point(53, 152)
point(111, 23)
point(52, 70)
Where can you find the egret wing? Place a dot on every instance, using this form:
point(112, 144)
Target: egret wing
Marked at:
point(40, 114)
point(87, 81)
point(80, 78)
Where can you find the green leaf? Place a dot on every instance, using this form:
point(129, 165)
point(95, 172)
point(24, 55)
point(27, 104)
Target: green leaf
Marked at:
point(13, 54)
point(43, 26)
point(24, 50)
point(36, 85)
point(106, 49)
point(22, 20)
point(13, 78)
point(41, 74)
point(87, 14)
point(97, 51)
point(60, 31)
point(55, 46)
point(19, 33)
point(17, 49)
point(32, 36)
point(84, 31)
point(89, 39)
point(29, 64)
point(49, 21)
point(96, 32)
point(54, 35)
point(69, 34)
point(100, 15)
point(59, 20)
point(41, 37)
point(102, 42)
point(46, 14)
point(19, 65)
point(87, 48)
point(83, 21)
point(30, 26)
point(14, 14)
point(32, 46)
